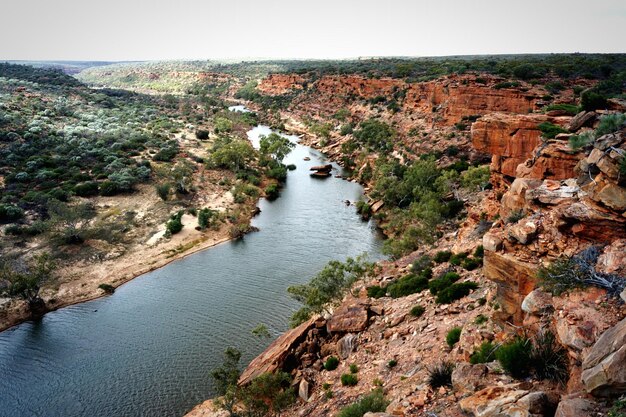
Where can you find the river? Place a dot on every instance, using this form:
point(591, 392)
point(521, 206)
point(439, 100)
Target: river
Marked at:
point(148, 349)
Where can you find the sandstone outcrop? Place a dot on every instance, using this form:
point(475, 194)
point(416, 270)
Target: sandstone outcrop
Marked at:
point(604, 368)
point(349, 318)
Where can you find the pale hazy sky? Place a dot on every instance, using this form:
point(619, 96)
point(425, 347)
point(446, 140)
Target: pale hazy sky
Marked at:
point(205, 29)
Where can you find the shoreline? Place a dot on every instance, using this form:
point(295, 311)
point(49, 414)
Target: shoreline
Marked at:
point(18, 314)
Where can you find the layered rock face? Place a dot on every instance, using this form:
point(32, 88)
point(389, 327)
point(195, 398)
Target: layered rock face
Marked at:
point(559, 202)
point(444, 101)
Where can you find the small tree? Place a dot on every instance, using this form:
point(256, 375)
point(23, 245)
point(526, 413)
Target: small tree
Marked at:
point(26, 282)
point(70, 223)
point(268, 394)
point(205, 218)
point(225, 380)
point(275, 146)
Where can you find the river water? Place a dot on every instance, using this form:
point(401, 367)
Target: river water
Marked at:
point(148, 349)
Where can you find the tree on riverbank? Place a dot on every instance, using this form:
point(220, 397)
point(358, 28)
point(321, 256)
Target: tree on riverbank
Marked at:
point(25, 281)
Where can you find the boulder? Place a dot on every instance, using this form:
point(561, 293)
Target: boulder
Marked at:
point(604, 368)
point(376, 206)
point(612, 260)
point(556, 161)
point(515, 198)
point(613, 196)
point(303, 390)
point(524, 231)
point(581, 119)
point(514, 279)
point(492, 242)
point(468, 377)
point(576, 335)
point(537, 302)
point(349, 318)
point(346, 345)
point(552, 193)
point(575, 407)
point(277, 353)
point(508, 400)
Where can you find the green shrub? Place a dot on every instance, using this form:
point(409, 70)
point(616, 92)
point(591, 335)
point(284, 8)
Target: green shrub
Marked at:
point(86, 189)
point(206, 217)
point(568, 108)
point(109, 188)
point(590, 100)
point(422, 263)
point(514, 357)
point(409, 284)
point(331, 363)
point(107, 288)
point(272, 191)
point(175, 225)
point(441, 375)
point(376, 134)
point(470, 264)
point(480, 319)
point(549, 359)
point(376, 291)
point(455, 292)
point(550, 130)
point(417, 311)
point(202, 134)
point(10, 213)
point(163, 190)
point(442, 256)
point(485, 353)
point(373, 402)
point(610, 123)
point(453, 336)
point(349, 380)
point(444, 281)
point(457, 258)
point(580, 141)
point(392, 363)
point(354, 368)
point(479, 252)
point(364, 209)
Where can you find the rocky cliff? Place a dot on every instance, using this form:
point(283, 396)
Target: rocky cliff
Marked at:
point(549, 201)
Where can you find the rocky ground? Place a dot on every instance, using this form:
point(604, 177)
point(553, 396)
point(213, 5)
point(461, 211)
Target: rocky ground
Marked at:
point(564, 201)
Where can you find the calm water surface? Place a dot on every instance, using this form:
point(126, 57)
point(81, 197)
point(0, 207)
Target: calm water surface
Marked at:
point(148, 349)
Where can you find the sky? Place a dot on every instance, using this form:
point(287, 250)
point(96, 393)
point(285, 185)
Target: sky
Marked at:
point(115, 30)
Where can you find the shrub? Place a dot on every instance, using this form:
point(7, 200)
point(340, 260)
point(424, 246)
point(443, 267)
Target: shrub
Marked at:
point(205, 217)
point(109, 188)
point(107, 288)
point(202, 134)
point(549, 359)
point(442, 256)
point(175, 225)
point(364, 209)
point(422, 263)
point(409, 284)
point(578, 271)
point(331, 363)
point(444, 281)
point(163, 190)
point(479, 252)
point(455, 292)
point(86, 189)
point(485, 353)
point(550, 130)
point(10, 213)
point(373, 402)
point(610, 123)
point(272, 192)
point(354, 368)
point(441, 375)
point(376, 291)
point(580, 141)
point(417, 311)
point(457, 258)
point(590, 100)
point(453, 336)
point(349, 380)
point(480, 319)
point(375, 134)
point(392, 363)
point(568, 108)
point(471, 263)
point(514, 357)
